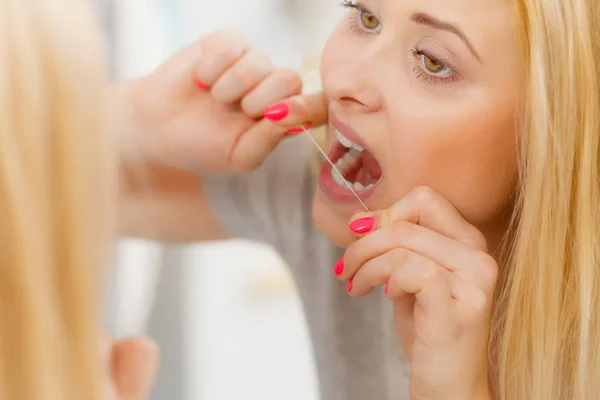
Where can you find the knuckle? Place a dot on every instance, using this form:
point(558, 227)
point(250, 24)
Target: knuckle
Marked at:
point(477, 239)
point(423, 195)
point(230, 36)
point(244, 74)
point(227, 55)
point(251, 69)
point(489, 267)
point(289, 80)
point(397, 258)
point(431, 273)
point(401, 230)
point(478, 303)
point(261, 60)
point(245, 164)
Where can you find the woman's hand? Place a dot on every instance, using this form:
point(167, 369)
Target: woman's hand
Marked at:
point(132, 365)
point(441, 280)
point(219, 105)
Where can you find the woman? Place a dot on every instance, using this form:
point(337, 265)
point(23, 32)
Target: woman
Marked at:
point(474, 128)
point(57, 169)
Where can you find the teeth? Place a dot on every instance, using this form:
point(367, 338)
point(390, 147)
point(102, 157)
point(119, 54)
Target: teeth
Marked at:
point(343, 140)
point(357, 147)
point(351, 157)
point(342, 164)
point(357, 186)
point(338, 178)
point(347, 142)
point(346, 162)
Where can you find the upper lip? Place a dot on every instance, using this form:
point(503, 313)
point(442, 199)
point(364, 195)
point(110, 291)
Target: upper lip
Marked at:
point(349, 133)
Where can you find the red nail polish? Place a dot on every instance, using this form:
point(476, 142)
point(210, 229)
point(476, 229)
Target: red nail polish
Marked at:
point(339, 267)
point(201, 85)
point(349, 285)
point(295, 131)
point(362, 225)
point(386, 289)
point(277, 112)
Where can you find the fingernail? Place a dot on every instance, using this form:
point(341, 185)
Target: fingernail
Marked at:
point(362, 225)
point(201, 85)
point(349, 285)
point(277, 112)
point(295, 131)
point(339, 267)
point(386, 289)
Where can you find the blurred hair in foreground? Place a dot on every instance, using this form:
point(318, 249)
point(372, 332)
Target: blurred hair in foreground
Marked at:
point(57, 200)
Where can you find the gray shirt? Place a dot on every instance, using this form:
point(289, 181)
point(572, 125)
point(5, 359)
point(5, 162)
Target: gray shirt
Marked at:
point(354, 342)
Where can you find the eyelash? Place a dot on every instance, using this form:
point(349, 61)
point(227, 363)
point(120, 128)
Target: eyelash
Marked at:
point(418, 68)
point(354, 26)
point(422, 73)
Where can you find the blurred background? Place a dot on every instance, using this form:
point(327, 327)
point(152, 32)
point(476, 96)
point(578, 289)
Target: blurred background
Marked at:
point(225, 314)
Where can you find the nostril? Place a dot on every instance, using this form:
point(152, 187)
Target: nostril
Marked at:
point(350, 100)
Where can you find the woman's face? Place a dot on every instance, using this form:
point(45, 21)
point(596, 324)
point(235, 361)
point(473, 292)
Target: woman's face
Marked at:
point(429, 89)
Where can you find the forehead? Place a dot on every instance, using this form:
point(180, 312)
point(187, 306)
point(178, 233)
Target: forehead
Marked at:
point(486, 23)
point(466, 8)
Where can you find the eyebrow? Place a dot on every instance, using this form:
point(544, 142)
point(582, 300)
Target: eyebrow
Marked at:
point(428, 20)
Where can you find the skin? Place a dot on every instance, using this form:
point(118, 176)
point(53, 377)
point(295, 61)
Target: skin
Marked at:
point(447, 149)
point(132, 365)
point(456, 136)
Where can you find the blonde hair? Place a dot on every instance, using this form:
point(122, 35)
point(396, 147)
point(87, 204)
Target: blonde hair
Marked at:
point(57, 183)
point(549, 293)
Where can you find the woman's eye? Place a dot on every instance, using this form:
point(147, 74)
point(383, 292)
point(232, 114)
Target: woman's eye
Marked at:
point(434, 66)
point(431, 69)
point(369, 21)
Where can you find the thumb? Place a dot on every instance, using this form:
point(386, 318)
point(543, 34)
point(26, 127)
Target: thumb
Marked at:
point(260, 140)
point(134, 364)
point(302, 110)
point(313, 107)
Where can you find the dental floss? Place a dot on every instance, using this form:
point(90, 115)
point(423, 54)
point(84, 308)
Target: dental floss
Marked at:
point(312, 139)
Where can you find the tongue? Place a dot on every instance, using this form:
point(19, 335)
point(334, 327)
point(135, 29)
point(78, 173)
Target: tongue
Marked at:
point(370, 165)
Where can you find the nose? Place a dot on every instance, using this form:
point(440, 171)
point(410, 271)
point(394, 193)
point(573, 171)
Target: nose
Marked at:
point(352, 84)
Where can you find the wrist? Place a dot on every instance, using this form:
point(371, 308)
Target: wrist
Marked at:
point(124, 121)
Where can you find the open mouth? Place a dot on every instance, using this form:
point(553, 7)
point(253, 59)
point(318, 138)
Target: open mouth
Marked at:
point(357, 165)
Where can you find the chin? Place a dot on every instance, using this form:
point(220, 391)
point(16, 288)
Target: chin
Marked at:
point(331, 223)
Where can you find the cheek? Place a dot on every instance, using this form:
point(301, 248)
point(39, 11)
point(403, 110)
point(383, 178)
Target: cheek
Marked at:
point(465, 150)
point(338, 48)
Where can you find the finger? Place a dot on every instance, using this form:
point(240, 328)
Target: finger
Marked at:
point(471, 265)
point(299, 110)
point(135, 362)
point(425, 207)
point(377, 271)
point(430, 284)
point(255, 145)
point(471, 302)
point(279, 85)
point(216, 53)
point(242, 77)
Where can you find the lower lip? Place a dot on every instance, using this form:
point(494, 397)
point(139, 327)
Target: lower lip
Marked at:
point(331, 188)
